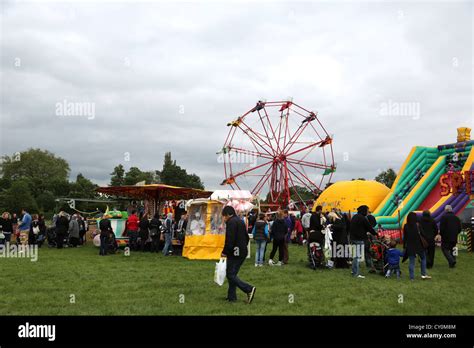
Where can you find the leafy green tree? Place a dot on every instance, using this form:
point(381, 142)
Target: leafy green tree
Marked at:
point(17, 197)
point(46, 201)
point(83, 188)
point(172, 174)
point(118, 176)
point(387, 177)
point(39, 169)
point(135, 175)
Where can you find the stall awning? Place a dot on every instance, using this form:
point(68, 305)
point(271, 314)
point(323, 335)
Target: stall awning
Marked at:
point(154, 191)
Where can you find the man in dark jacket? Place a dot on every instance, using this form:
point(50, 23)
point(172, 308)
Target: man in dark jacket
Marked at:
point(360, 226)
point(278, 232)
point(430, 230)
point(62, 226)
point(235, 250)
point(315, 227)
point(449, 228)
point(105, 228)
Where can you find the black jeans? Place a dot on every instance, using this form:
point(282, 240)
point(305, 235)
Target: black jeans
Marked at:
point(74, 241)
point(280, 245)
point(59, 240)
point(233, 267)
point(82, 237)
point(155, 243)
point(430, 254)
point(448, 252)
point(104, 241)
point(132, 239)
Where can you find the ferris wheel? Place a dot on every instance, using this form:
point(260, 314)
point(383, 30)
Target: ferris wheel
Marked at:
point(278, 149)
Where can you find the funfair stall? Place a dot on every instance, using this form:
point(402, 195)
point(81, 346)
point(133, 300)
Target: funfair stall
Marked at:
point(205, 231)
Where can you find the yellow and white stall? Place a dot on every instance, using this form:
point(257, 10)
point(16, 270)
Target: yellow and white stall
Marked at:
point(205, 231)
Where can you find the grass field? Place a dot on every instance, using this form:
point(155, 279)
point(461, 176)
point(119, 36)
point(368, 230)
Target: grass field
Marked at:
point(150, 284)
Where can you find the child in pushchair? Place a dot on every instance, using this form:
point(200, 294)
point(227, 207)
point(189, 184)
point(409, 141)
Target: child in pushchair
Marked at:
point(316, 255)
point(378, 247)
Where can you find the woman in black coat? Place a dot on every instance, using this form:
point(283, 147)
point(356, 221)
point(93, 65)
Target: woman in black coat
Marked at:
point(413, 247)
point(62, 227)
point(278, 232)
point(339, 237)
point(430, 230)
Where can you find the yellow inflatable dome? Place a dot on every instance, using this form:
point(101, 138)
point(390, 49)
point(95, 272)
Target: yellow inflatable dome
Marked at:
point(349, 195)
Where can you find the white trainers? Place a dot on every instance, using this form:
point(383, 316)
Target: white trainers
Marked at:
point(425, 277)
point(260, 265)
point(256, 265)
point(271, 263)
point(361, 276)
point(279, 263)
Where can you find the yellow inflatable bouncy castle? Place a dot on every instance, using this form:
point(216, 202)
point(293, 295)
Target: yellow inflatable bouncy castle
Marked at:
point(349, 195)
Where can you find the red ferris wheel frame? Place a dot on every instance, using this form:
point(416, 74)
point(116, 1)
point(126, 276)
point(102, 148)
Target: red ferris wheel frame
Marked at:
point(285, 170)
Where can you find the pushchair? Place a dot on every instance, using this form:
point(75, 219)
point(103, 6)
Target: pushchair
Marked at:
point(316, 255)
point(377, 251)
point(112, 246)
point(51, 237)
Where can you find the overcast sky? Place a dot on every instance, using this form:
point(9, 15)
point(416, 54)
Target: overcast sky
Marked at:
point(168, 76)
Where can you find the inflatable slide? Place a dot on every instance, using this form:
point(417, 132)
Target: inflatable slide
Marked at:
point(418, 186)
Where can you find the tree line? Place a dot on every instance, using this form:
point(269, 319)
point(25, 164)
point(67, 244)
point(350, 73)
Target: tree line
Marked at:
point(35, 178)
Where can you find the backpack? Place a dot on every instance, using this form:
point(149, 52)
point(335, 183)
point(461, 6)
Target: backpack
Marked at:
point(104, 225)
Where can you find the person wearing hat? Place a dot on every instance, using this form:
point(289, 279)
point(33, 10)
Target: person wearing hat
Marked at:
point(359, 229)
point(449, 228)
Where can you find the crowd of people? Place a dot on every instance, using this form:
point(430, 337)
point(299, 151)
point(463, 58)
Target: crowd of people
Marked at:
point(27, 229)
point(156, 233)
point(419, 237)
point(145, 232)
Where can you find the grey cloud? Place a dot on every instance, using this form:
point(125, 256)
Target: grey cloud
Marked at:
point(141, 63)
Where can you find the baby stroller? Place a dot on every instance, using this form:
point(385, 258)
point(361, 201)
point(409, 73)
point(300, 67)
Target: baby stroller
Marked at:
point(316, 255)
point(51, 237)
point(377, 251)
point(112, 246)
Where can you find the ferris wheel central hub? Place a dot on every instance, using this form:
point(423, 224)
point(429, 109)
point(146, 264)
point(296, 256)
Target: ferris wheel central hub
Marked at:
point(279, 158)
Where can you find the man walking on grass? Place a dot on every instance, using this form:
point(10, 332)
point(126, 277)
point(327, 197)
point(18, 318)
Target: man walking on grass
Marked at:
point(449, 228)
point(235, 250)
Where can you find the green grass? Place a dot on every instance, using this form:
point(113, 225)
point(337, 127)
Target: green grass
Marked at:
point(150, 284)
